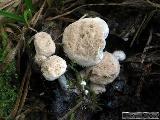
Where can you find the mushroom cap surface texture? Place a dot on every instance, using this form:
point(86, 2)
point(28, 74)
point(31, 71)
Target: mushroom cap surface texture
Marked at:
point(97, 89)
point(105, 71)
point(44, 45)
point(84, 40)
point(39, 59)
point(53, 67)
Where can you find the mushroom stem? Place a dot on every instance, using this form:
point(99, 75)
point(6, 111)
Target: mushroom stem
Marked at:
point(63, 82)
point(83, 84)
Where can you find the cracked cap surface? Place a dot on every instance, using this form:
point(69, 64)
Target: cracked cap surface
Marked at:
point(53, 67)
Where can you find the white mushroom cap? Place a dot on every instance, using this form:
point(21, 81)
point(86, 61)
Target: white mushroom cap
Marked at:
point(39, 59)
point(84, 40)
point(105, 71)
point(97, 89)
point(44, 45)
point(53, 67)
point(120, 55)
point(86, 92)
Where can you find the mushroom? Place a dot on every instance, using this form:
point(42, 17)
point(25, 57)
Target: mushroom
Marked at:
point(86, 92)
point(120, 55)
point(44, 45)
point(83, 84)
point(84, 40)
point(104, 72)
point(97, 89)
point(53, 67)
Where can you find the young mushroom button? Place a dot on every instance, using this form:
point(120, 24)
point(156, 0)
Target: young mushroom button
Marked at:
point(44, 45)
point(84, 40)
point(53, 67)
point(120, 55)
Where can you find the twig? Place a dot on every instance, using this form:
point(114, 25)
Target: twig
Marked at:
point(37, 15)
point(71, 111)
point(144, 23)
point(147, 44)
point(72, 5)
point(143, 56)
point(6, 4)
point(89, 5)
point(153, 4)
point(154, 73)
point(152, 47)
point(69, 12)
point(85, 15)
point(59, 37)
point(23, 87)
point(33, 29)
point(29, 110)
point(67, 19)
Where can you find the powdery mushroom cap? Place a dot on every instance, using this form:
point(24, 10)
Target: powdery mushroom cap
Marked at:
point(39, 59)
point(97, 89)
point(53, 67)
point(44, 45)
point(106, 71)
point(84, 40)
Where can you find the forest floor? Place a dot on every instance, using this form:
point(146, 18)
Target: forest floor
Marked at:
point(26, 95)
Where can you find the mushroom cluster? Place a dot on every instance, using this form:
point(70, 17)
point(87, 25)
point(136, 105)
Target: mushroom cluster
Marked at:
point(83, 42)
point(103, 73)
point(52, 66)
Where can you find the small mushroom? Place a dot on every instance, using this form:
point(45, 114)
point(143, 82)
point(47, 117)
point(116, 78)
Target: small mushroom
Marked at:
point(44, 45)
point(53, 67)
point(84, 40)
point(86, 92)
point(120, 55)
point(97, 89)
point(106, 71)
point(103, 73)
point(83, 84)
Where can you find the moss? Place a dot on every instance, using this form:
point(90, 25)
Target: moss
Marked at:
point(8, 91)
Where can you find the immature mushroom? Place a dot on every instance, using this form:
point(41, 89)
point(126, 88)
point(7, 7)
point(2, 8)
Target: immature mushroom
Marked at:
point(97, 89)
point(44, 45)
point(120, 55)
point(53, 67)
point(104, 72)
point(84, 40)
